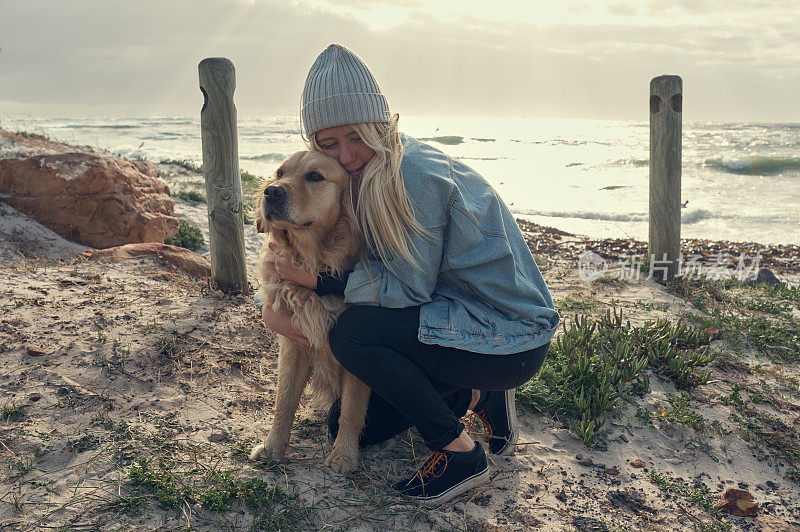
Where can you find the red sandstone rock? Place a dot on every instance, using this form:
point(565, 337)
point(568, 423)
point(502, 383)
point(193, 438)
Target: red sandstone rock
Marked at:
point(637, 462)
point(738, 502)
point(94, 200)
point(181, 258)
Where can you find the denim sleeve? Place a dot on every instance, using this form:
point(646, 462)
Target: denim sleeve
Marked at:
point(398, 284)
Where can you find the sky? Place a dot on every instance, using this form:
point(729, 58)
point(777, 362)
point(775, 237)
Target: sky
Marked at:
point(739, 60)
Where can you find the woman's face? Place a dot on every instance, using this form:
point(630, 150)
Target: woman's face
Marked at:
point(345, 145)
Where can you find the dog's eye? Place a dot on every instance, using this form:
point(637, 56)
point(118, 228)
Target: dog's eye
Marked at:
point(279, 173)
point(314, 177)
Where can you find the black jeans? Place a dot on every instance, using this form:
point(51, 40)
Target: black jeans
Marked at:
point(428, 386)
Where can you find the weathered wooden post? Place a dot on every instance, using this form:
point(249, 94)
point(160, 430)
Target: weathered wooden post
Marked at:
point(666, 104)
point(221, 169)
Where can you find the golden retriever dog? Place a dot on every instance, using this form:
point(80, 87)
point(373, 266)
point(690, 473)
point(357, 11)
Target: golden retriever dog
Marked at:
point(306, 209)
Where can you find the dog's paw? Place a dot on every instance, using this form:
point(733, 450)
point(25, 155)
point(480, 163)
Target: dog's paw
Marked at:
point(342, 463)
point(268, 450)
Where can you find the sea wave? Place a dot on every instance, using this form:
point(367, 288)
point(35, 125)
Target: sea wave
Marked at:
point(101, 126)
point(260, 131)
point(757, 165)
point(586, 215)
point(265, 157)
point(697, 215)
point(688, 217)
point(450, 140)
point(570, 142)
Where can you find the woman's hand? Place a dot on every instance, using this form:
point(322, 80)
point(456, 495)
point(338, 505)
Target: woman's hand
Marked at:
point(281, 323)
point(290, 272)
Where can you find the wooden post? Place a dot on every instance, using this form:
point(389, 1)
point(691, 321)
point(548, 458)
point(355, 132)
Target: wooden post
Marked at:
point(666, 104)
point(221, 169)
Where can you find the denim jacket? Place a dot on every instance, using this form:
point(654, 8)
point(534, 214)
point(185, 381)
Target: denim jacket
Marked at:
point(479, 288)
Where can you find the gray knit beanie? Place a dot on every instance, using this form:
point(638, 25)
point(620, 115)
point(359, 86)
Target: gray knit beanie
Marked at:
point(340, 90)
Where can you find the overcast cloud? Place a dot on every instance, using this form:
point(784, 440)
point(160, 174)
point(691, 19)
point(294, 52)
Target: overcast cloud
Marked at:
point(739, 60)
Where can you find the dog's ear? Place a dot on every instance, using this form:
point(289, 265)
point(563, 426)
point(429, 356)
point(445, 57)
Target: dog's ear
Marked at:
point(260, 226)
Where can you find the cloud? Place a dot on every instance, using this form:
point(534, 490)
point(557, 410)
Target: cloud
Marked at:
point(625, 10)
point(144, 55)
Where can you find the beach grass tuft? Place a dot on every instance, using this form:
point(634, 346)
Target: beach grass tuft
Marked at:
point(12, 412)
point(32, 136)
point(191, 195)
point(183, 163)
point(189, 237)
point(596, 363)
point(698, 494)
point(678, 410)
point(759, 315)
point(214, 489)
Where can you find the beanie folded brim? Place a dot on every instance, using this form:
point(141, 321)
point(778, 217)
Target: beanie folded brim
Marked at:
point(341, 109)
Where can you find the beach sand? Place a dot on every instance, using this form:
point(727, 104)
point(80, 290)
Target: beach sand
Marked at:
point(106, 364)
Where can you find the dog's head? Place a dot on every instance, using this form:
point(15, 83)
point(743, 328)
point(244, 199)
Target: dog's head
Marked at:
point(305, 193)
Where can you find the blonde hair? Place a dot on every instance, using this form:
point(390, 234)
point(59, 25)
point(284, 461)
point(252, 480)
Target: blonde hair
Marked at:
point(383, 210)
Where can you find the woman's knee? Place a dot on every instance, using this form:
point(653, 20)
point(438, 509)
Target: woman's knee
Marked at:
point(348, 333)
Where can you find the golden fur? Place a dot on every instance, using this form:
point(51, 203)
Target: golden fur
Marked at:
point(313, 226)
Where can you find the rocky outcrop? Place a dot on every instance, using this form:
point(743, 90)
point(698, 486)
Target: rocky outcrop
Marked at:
point(180, 258)
point(90, 199)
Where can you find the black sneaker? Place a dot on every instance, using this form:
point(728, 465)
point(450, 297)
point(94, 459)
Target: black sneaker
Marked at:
point(445, 475)
point(498, 414)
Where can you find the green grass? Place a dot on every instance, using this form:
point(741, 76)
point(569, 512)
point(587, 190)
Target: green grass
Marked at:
point(18, 468)
point(790, 383)
point(793, 473)
point(596, 363)
point(782, 291)
point(183, 163)
point(32, 136)
point(115, 362)
point(189, 237)
point(678, 411)
point(758, 315)
point(773, 435)
point(12, 412)
point(191, 195)
point(646, 305)
point(214, 489)
point(250, 178)
point(698, 495)
point(778, 339)
point(250, 183)
point(250, 186)
point(572, 304)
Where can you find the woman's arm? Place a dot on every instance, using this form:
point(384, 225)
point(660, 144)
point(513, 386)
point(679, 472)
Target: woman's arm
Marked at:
point(397, 283)
point(281, 323)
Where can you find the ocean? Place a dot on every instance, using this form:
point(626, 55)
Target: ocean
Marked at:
point(740, 182)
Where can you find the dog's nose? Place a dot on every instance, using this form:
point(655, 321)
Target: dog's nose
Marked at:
point(274, 192)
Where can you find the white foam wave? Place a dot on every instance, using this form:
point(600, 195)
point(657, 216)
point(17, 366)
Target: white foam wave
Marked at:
point(586, 215)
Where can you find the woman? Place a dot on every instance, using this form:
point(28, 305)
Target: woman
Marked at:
point(449, 311)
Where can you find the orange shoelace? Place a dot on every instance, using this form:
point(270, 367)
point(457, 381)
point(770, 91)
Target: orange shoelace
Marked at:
point(473, 418)
point(429, 468)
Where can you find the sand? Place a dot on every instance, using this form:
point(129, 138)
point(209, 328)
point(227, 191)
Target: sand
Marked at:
point(103, 364)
